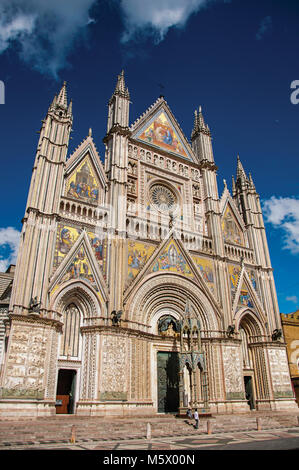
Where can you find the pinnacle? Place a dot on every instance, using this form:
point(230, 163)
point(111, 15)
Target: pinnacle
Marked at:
point(62, 96)
point(199, 123)
point(240, 170)
point(120, 88)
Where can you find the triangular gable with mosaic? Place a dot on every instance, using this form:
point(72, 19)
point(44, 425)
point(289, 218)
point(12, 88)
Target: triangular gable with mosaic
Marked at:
point(66, 237)
point(160, 132)
point(231, 227)
point(172, 259)
point(246, 295)
point(80, 264)
point(83, 184)
point(84, 174)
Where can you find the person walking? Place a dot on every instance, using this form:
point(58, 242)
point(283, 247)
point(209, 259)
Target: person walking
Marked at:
point(196, 418)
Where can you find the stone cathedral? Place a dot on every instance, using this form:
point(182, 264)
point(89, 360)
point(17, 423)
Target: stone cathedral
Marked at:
point(138, 289)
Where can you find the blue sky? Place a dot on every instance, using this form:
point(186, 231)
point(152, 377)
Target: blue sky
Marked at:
point(237, 59)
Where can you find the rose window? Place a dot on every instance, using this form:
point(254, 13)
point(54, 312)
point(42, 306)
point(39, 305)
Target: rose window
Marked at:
point(162, 197)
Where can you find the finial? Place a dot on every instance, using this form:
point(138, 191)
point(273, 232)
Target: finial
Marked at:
point(90, 132)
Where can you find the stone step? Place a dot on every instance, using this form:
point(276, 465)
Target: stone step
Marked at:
point(59, 429)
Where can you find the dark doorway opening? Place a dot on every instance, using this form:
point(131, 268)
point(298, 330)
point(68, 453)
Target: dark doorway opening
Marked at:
point(168, 382)
point(65, 391)
point(249, 391)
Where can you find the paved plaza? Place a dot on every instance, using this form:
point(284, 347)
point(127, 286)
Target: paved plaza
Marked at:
point(161, 432)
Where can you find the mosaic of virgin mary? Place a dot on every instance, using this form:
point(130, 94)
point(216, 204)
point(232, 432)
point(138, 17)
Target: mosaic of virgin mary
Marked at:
point(162, 134)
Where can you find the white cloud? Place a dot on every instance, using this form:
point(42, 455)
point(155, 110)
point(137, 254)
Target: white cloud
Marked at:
point(265, 26)
point(157, 16)
point(283, 213)
point(43, 31)
point(292, 298)
point(9, 243)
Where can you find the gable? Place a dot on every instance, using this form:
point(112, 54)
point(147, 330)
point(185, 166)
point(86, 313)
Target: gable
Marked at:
point(160, 132)
point(66, 237)
point(82, 183)
point(80, 263)
point(246, 295)
point(231, 229)
point(171, 259)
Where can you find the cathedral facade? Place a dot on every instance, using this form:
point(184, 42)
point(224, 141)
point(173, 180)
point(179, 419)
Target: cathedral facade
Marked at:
point(137, 288)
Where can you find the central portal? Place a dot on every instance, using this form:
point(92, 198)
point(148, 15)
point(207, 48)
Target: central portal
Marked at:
point(168, 382)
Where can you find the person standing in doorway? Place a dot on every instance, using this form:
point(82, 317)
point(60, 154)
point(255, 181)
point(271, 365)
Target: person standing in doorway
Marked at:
point(196, 418)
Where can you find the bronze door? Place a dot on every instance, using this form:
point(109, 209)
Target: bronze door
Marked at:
point(168, 382)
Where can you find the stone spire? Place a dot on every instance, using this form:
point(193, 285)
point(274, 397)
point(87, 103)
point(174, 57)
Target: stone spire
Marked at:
point(199, 124)
point(240, 170)
point(118, 106)
point(120, 88)
point(62, 97)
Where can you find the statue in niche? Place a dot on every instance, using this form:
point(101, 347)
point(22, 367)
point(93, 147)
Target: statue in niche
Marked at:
point(168, 326)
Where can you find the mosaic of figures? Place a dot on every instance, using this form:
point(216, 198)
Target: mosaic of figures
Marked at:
point(138, 254)
point(171, 259)
point(162, 134)
point(231, 230)
point(245, 298)
point(67, 236)
point(206, 269)
point(83, 184)
point(234, 274)
point(79, 269)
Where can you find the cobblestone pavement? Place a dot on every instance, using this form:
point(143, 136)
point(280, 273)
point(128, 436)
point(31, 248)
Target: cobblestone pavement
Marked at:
point(166, 432)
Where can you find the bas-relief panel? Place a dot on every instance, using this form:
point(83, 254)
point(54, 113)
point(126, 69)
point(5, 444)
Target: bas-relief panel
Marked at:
point(114, 369)
point(280, 373)
point(26, 362)
point(67, 236)
point(232, 373)
point(138, 254)
point(161, 133)
point(206, 269)
point(82, 184)
point(231, 230)
point(172, 260)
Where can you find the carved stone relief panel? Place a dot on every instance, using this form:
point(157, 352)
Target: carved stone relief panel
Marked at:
point(25, 371)
point(232, 363)
point(280, 373)
point(114, 368)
